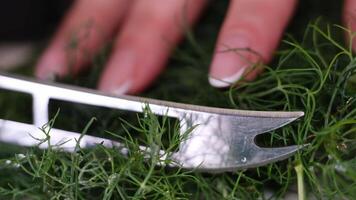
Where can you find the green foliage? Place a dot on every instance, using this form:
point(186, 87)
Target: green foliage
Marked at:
point(315, 74)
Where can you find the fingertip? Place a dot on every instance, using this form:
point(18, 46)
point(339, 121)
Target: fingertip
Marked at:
point(113, 89)
point(50, 66)
point(232, 59)
point(349, 21)
point(249, 36)
point(226, 81)
point(83, 32)
point(138, 58)
point(117, 77)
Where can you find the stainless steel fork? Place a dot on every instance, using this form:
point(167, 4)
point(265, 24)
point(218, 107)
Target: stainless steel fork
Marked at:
point(220, 140)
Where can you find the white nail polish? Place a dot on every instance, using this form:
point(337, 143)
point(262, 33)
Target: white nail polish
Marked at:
point(123, 89)
point(226, 81)
point(50, 77)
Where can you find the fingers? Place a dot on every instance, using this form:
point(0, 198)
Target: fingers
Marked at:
point(142, 48)
point(250, 33)
point(349, 19)
point(86, 27)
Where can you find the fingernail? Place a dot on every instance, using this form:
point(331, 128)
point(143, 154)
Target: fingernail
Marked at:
point(119, 73)
point(230, 61)
point(123, 89)
point(226, 81)
point(50, 66)
point(47, 76)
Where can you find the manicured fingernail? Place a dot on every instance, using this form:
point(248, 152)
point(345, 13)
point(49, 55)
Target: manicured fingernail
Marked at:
point(118, 75)
point(226, 81)
point(51, 76)
point(48, 70)
point(230, 61)
point(123, 89)
point(227, 68)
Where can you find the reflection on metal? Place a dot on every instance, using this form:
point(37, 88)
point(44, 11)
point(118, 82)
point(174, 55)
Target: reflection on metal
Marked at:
point(221, 140)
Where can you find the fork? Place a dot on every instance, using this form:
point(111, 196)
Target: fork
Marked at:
point(220, 139)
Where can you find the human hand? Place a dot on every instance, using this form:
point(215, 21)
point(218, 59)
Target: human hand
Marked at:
point(147, 31)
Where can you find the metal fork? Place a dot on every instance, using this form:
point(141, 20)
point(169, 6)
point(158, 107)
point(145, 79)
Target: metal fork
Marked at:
point(220, 140)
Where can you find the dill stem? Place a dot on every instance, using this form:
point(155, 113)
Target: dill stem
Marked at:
point(300, 178)
point(154, 161)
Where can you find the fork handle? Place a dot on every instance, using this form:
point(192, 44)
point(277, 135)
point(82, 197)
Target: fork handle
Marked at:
point(42, 93)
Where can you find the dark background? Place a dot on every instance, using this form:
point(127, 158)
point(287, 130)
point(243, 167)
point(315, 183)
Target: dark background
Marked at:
point(36, 19)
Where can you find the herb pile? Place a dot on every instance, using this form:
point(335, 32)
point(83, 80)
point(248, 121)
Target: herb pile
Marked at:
point(315, 74)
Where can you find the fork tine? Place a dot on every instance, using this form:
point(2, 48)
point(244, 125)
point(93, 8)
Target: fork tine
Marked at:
point(226, 142)
point(255, 157)
point(269, 121)
point(263, 156)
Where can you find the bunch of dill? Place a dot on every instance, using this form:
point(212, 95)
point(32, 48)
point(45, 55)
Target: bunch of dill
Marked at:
point(315, 74)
